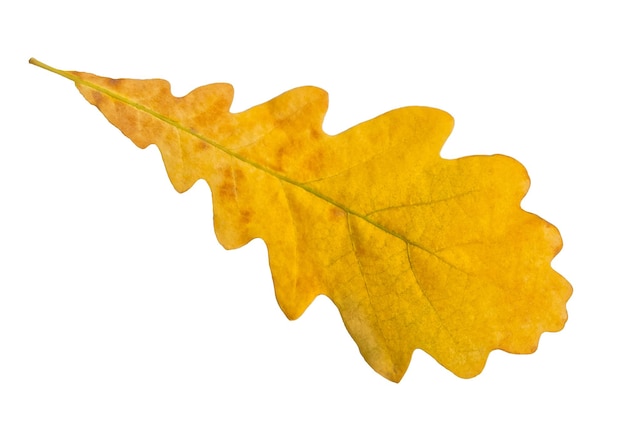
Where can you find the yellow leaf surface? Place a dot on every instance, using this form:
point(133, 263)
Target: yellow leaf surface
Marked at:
point(416, 251)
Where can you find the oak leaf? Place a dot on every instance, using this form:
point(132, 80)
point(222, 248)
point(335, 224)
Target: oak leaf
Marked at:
point(416, 251)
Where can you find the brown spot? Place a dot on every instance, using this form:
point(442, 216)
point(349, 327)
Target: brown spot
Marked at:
point(238, 174)
point(113, 83)
point(278, 163)
point(315, 163)
point(97, 98)
point(227, 188)
point(335, 214)
point(316, 134)
point(246, 216)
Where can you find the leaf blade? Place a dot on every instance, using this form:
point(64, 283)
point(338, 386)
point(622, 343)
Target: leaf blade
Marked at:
point(410, 247)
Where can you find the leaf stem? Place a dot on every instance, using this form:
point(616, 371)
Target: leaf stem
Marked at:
point(60, 72)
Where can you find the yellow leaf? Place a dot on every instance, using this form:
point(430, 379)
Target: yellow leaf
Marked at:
point(416, 251)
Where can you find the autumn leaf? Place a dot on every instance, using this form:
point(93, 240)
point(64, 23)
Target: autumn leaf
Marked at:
point(416, 251)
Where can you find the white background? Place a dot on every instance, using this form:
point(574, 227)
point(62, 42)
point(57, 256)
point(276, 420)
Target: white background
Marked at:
point(120, 313)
